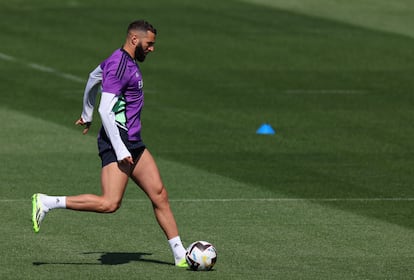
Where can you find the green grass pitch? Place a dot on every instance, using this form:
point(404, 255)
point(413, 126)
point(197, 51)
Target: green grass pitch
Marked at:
point(329, 196)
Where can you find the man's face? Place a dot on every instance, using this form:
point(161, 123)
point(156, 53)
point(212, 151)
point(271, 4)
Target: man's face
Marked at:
point(144, 46)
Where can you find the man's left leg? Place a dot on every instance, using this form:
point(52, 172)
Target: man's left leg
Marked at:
point(147, 176)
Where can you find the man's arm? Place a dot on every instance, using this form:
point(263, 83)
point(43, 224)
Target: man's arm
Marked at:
point(89, 98)
point(108, 101)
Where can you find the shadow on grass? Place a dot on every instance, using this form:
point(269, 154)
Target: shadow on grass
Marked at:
point(111, 258)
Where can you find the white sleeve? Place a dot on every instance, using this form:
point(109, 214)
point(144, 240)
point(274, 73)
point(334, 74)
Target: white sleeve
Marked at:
point(108, 101)
point(89, 95)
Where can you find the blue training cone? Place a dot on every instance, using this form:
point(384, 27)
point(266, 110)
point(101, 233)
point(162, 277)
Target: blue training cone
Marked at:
point(265, 129)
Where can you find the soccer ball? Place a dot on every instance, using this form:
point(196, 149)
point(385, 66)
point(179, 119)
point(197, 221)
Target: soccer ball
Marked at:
point(201, 255)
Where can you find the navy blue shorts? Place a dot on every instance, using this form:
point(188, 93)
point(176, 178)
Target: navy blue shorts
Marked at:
point(107, 153)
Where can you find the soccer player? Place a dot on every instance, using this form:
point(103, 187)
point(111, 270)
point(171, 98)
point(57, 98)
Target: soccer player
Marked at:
point(121, 148)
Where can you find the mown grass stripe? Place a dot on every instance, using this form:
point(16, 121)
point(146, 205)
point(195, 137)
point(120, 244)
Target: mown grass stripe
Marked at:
point(260, 199)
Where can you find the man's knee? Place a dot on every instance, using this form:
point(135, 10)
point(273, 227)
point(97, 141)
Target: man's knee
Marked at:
point(109, 206)
point(160, 198)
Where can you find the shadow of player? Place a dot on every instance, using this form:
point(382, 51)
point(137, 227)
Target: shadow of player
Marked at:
point(111, 258)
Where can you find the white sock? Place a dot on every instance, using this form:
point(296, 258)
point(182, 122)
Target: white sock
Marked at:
point(53, 202)
point(177, 248)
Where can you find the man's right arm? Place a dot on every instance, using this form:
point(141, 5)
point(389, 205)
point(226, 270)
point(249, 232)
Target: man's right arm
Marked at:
point(89, 96)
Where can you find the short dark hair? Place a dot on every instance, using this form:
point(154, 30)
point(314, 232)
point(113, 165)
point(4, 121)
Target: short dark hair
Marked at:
point(141, 25)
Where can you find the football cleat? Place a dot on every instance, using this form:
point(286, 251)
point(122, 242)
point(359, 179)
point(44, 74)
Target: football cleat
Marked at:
point(38, 212)
point(182, 263)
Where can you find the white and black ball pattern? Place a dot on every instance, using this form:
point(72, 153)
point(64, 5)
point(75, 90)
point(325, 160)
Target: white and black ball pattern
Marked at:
point(201, 255)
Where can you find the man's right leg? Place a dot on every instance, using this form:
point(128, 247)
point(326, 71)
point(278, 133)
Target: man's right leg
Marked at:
point(114, 179)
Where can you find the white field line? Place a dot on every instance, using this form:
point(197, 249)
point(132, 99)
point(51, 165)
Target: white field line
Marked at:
point(6, 57)
point(326, 91)
point(292, 199)
point(43, 68)
point(224, 200)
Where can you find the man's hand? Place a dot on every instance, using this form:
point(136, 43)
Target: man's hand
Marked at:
point(87, 125)
point(128, 160)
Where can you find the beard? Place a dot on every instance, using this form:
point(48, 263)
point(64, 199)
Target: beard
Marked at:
point(139, 53)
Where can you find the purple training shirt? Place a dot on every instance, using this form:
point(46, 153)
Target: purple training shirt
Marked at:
point(121, 76)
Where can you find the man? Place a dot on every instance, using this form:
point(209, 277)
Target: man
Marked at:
point(121, 148)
